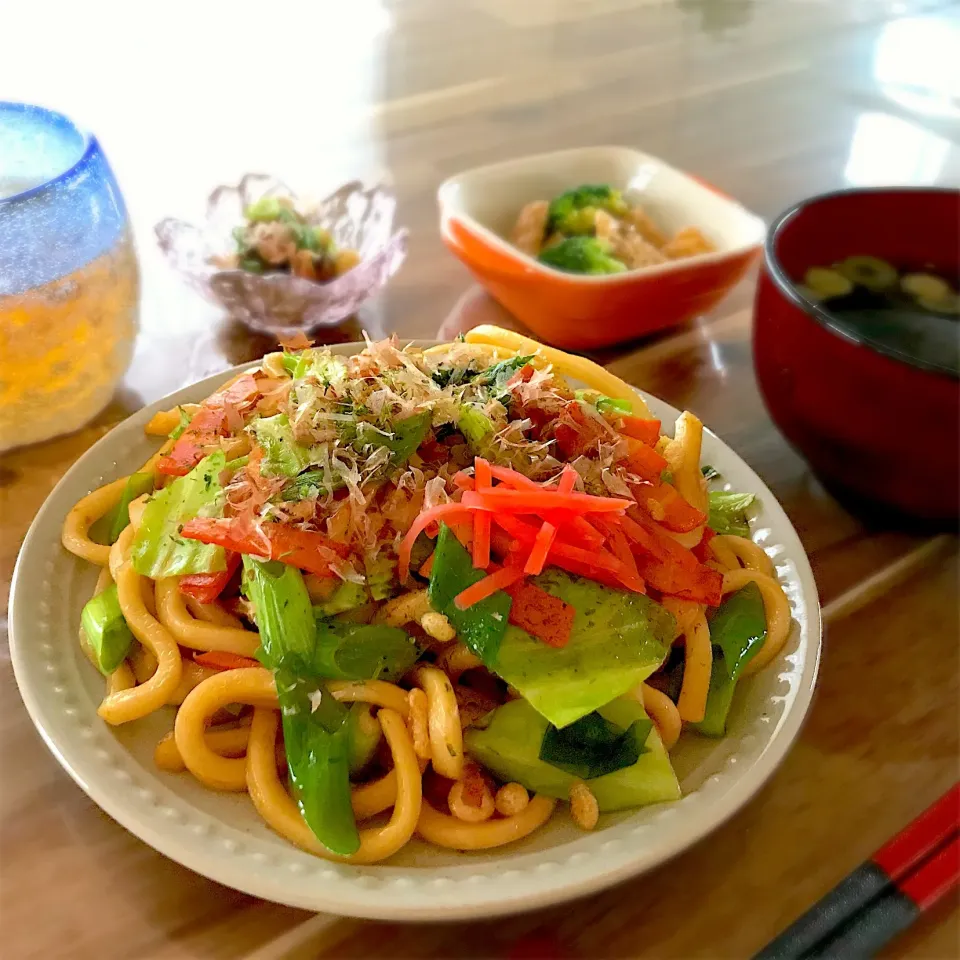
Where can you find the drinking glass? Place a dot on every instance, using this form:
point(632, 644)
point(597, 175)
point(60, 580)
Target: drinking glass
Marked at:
point(69, 280)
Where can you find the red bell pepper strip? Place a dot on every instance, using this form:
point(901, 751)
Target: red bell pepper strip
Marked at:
point(209, 423)
point(644, 461)
point(523, 375)
point(206, 587)
point(542, 615)
point(305, 549)
point(222, 660)
point(206, 427)
point(669, 567)
point(702, 584)
point(701, 551)
point(620, 547)
point(645, 539)
point(669, 509)
point(576, 433)
point(646, 431)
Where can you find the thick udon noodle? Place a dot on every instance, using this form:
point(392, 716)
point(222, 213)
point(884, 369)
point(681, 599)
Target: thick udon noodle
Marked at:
point(420, 720)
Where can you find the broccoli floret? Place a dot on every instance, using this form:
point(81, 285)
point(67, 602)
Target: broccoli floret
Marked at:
point(581, 255)
point(573, 212)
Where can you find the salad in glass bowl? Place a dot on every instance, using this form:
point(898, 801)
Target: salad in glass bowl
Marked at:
point(282, 266)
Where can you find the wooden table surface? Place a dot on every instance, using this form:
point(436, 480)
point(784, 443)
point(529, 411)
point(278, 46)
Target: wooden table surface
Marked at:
point(771, 101)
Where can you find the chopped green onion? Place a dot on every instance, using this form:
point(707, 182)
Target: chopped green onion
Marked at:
point(316, 727)
point(107, 529)
point(106, 628)
point(177, 431)
point(611, 405)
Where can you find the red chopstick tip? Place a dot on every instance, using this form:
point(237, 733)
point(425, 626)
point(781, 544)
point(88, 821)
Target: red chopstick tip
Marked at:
point(916, 841)
point(935, 877)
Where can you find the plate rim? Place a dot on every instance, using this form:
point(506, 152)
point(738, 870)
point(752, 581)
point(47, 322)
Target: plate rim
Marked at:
point(423, 897)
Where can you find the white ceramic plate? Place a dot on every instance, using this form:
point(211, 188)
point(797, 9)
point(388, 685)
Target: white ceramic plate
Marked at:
point(220, 835)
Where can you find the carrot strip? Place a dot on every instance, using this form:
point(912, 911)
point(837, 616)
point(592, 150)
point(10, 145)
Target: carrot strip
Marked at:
point(481, 520)
point(222, 660)
point(427, 565)
point(568, 479)
point(586, 570)
point(669, 567)
point(597, 560)
point(541, 549)
point(519, 529)
point(574, 529)
point(487, 587)
point(513, 478)
point(483, 474)
point(463, 480)
point(524, 501)
point(522, 375)
point(434, 515)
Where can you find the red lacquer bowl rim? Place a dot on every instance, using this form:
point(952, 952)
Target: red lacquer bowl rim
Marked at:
point(788, 287)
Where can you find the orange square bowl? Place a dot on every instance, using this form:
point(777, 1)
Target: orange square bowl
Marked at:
point(478, 209)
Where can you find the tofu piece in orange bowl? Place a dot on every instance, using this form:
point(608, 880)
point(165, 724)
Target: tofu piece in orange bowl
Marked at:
point(671, 247)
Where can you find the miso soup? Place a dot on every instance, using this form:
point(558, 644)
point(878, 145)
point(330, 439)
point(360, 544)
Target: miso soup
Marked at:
point(913, 312)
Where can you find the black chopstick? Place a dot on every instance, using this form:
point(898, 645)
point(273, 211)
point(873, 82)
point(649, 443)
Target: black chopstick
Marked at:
point(894, 910)
point(882, 896)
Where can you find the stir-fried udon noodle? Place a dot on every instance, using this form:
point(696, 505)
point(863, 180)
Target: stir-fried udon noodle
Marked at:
point(425, 593)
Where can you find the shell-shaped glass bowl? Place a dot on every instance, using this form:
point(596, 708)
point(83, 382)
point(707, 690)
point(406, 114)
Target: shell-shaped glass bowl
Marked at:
point(358, 217)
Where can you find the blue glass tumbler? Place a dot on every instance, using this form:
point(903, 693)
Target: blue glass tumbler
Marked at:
point(69, 280)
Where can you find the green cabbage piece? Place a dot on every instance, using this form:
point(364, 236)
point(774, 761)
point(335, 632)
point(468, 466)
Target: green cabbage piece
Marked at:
point(618, 639)
point(728, 513)
point(282, 455)
point(158, 549)
point(475, 426)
